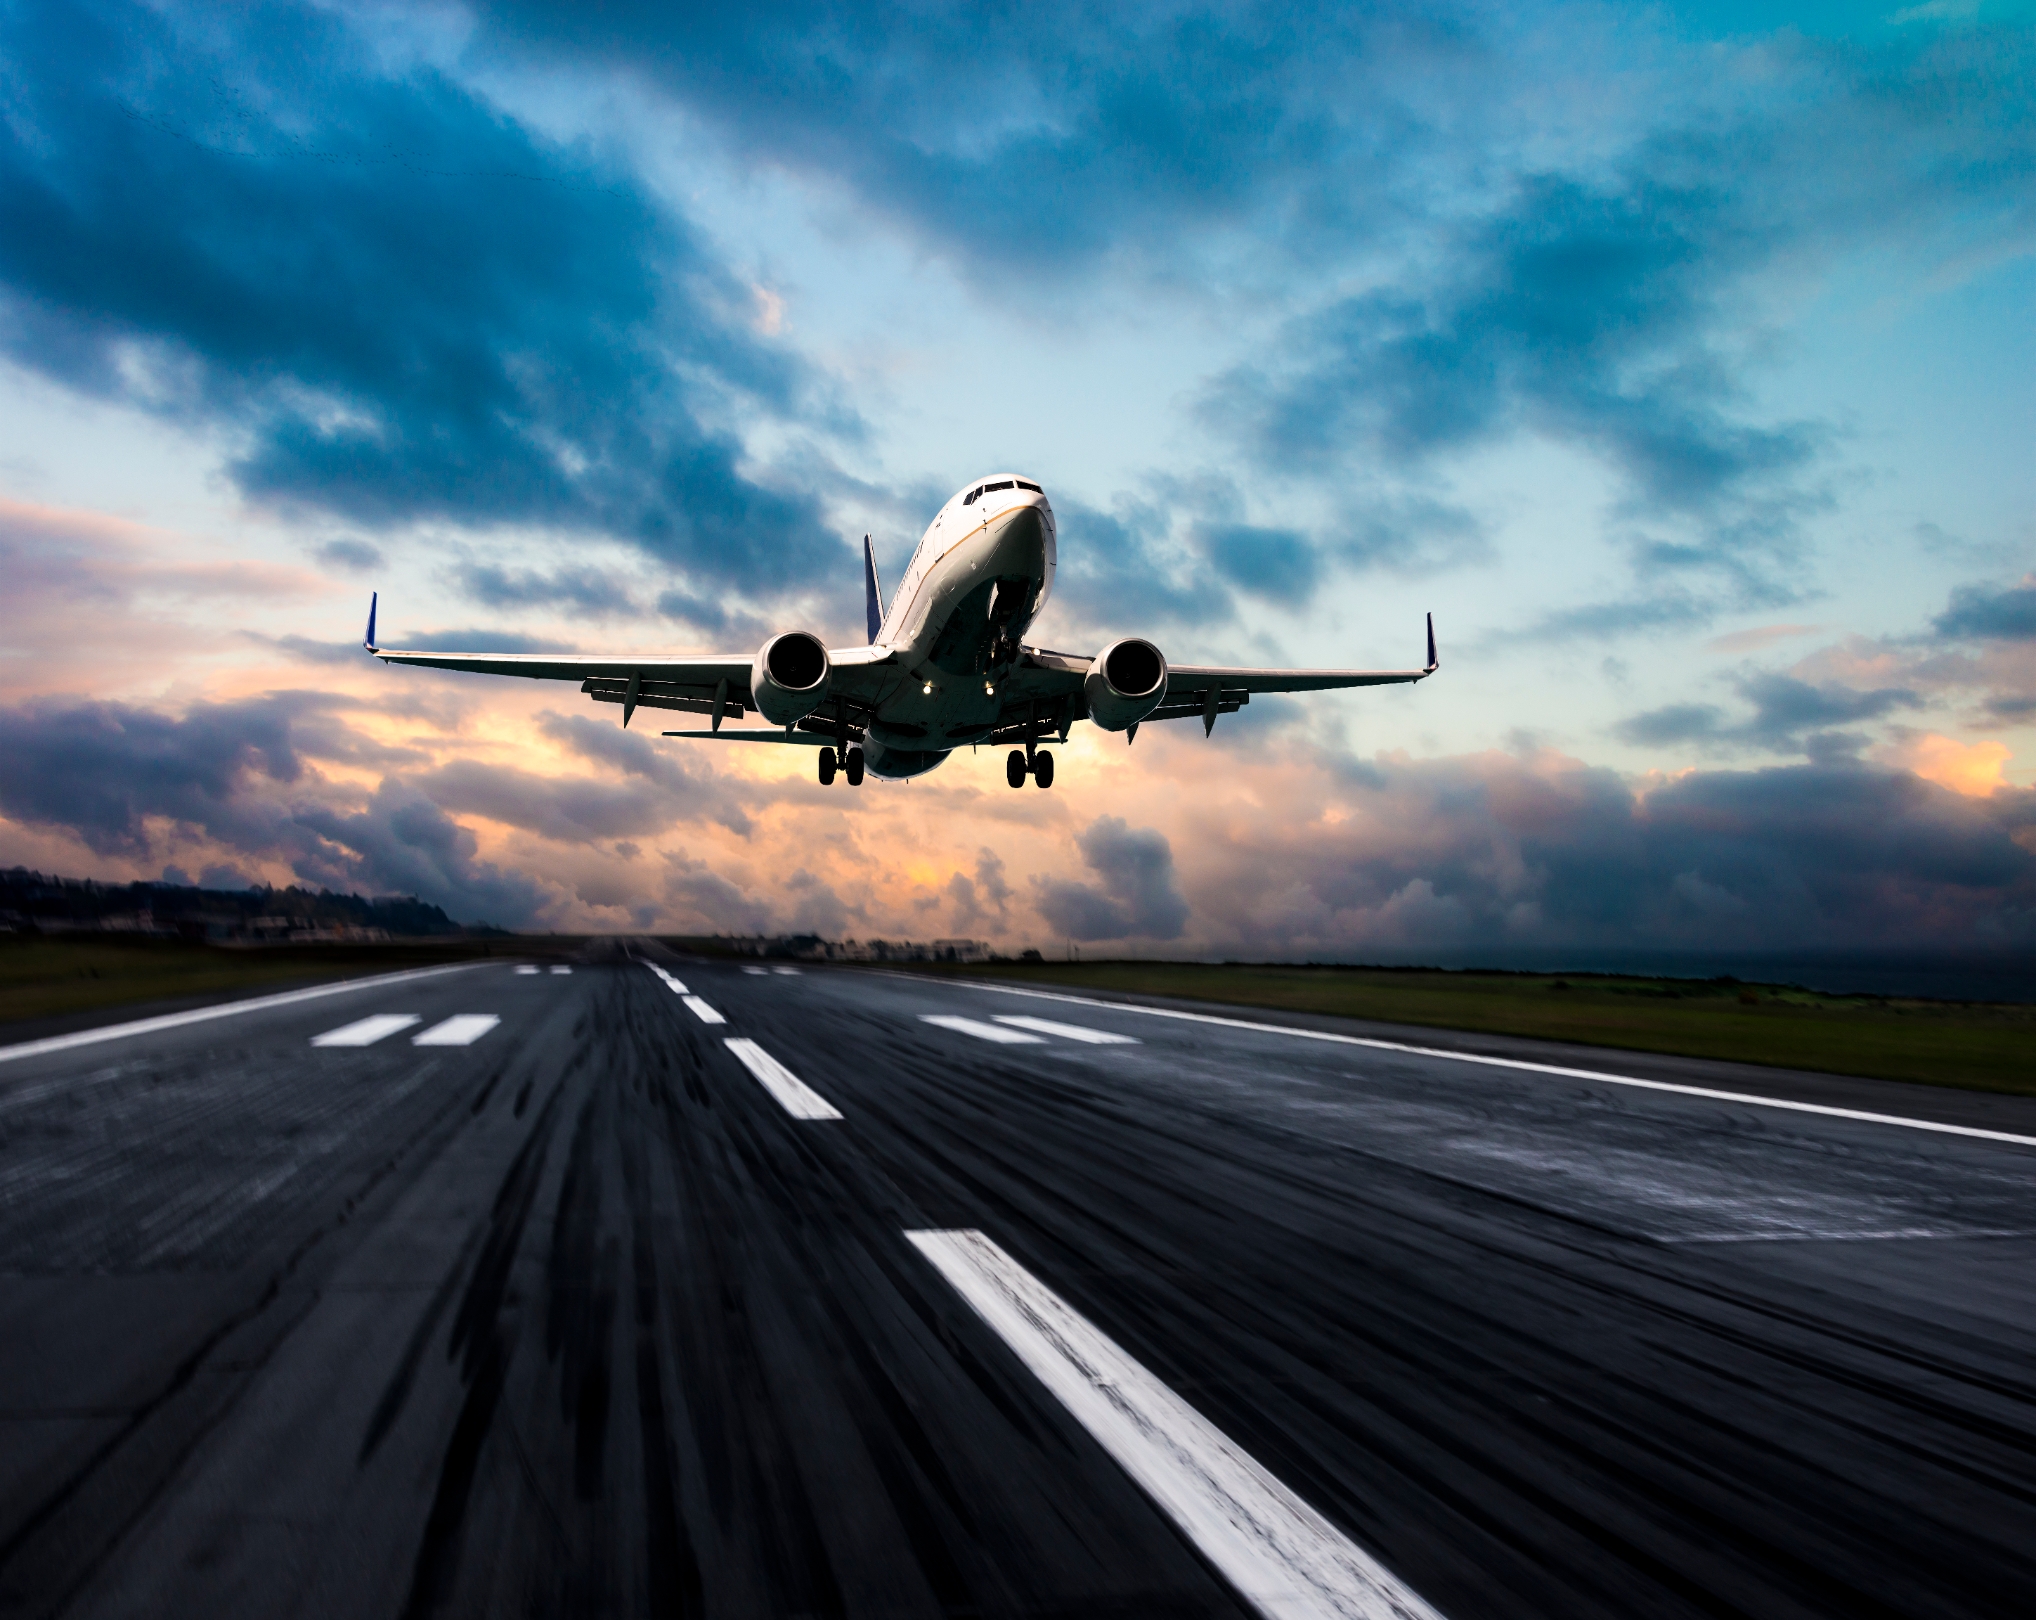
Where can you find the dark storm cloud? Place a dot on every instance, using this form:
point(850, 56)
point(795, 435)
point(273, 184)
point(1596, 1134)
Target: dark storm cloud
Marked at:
point(1137, 897)
point(1580, 311)
point(2007, 614)
point(1029, 142)
point(1789, 716)
point(240, 774)
point(1492, 853)
point(401, 303)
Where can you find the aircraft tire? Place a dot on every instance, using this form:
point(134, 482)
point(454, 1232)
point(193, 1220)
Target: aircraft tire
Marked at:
point(1014, 768)
point(1042, 768)
point(827, 767)
point(855, 767)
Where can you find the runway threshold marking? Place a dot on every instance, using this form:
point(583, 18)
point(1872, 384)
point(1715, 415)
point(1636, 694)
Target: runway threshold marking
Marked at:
point(230, 1009)
point(366, 1031)
point(462, 1029)
point(1284, 1558)
point(703, 1012)
point(798, 1099)
point(1829, 1110)
point(1072, 1032)
point(981, 1030)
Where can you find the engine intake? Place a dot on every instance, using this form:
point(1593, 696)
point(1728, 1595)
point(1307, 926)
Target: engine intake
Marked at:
point(1125, 683)
point(790, 676)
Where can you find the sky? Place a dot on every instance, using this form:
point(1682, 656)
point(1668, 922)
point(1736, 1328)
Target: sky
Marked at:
point(1681, 359)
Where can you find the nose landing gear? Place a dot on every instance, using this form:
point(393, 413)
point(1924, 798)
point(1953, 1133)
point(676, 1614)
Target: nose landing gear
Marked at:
point(1040, 769)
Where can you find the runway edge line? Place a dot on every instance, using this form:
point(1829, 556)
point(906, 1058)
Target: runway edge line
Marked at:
point(225, 1009)
point(1284, 1558)
point(1490, 1062)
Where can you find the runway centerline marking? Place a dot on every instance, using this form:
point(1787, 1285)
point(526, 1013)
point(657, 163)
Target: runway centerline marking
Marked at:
point(981, 1030)
point(562, 970)
point(366, 1031)
point(1072, 1032)
point(229, 1009)
point(1829, 1110)
point(462, 1029)
point(1285, 1559)
point(757, 970)
point(701, 1011)
point(799, 1100)
point(527, 968)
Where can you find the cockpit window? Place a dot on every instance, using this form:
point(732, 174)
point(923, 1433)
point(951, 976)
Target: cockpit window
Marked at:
point(1007, 484)
point(1033, 487)
point(970, 498)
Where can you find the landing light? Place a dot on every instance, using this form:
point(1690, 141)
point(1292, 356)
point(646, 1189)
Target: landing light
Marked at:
point(927, 689)
point(990, 687)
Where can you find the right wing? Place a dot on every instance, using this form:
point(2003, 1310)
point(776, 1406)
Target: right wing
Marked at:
point(715, 684)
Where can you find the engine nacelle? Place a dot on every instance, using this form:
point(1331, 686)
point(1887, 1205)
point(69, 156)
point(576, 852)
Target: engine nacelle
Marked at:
point(789, 679)
point(1125, 683)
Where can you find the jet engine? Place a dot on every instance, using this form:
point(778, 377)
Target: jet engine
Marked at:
point(789, 679)
point(1125, 683)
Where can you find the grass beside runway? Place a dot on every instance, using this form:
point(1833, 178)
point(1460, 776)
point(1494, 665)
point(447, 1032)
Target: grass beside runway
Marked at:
point(53, 976)
point(1984, 1046)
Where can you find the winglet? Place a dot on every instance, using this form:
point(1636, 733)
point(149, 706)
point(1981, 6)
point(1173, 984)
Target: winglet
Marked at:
point(373, 598)
point(873, 592)
point(1434, 663)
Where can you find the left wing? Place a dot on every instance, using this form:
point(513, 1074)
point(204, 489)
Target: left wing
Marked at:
point(1052, 683)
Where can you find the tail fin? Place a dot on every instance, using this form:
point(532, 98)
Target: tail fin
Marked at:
point(1434, 663)
point(873, 591)
point(373, 598)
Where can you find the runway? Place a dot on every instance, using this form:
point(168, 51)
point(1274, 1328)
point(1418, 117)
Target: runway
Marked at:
point(492, 1292)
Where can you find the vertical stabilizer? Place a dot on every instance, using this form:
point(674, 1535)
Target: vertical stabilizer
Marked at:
point(373, 598)
point(872, 589)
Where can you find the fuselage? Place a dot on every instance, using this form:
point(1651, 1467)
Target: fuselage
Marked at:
point(981, 573)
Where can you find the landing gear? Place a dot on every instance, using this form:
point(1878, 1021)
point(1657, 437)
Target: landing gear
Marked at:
point(853, 769)
point(1040, 770)
point(827, 767)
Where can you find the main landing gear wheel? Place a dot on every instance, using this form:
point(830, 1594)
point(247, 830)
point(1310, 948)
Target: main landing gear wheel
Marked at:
point(1042, 768)
point(827, 768)
point(854, 767)
point(1014, 768)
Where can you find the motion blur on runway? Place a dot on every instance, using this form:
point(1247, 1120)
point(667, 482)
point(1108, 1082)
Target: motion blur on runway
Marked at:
point(660, 1286)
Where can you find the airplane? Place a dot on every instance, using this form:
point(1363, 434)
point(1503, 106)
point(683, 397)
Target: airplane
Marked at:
point(946, 666)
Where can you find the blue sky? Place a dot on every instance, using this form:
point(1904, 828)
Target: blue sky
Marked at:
point(1679, 359)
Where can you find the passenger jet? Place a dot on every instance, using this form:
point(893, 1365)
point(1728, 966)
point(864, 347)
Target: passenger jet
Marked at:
point(946, 666)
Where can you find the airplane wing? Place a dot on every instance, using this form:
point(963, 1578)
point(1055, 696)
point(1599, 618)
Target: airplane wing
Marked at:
point(1046, 680)
point(715, 684)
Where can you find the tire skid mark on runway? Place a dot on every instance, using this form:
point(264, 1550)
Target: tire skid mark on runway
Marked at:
point(482, 1346)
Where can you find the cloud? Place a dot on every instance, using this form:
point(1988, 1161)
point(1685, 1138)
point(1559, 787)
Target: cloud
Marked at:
point(1489, 856)
point(589, 590)
point(125, 780)
point(355, 556)
point(1138, 895)
point(1785, 711)
point(2007, 613)
point(400, 302)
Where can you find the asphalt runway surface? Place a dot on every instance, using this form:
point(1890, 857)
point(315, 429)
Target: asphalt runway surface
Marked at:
point(529, 1293)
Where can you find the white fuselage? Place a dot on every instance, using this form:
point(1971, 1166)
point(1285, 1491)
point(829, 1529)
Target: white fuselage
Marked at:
point(981, 573)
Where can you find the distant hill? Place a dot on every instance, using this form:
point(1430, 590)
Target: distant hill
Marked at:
point(31, 902)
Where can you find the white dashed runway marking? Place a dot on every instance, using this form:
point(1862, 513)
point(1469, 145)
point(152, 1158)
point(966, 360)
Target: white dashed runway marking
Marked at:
point(463, 1029)
point(981, 1030)
point(366, 1031)
point(1072, 1032)
point(527, 968)
point(705, 1013)
point(1284, 1558)
point(800, 1100)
